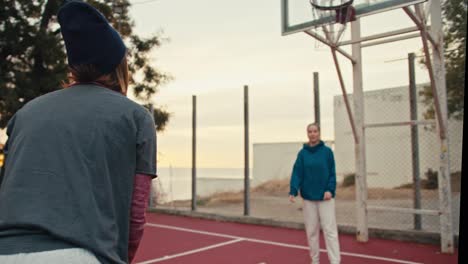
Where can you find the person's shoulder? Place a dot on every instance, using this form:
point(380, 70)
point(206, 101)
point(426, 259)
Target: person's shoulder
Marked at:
point(140, 111)
point(46, 97)
point(141, 114)
point(120, 101)
point(42, 100)
point(135, 107)
point(327, 148)
point(302, 150)
point(108, 94)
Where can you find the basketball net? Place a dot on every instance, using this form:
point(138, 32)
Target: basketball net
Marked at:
point(334, 15)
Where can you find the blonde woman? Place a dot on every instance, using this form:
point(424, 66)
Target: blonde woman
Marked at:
point(314, 178)
point(79, 160)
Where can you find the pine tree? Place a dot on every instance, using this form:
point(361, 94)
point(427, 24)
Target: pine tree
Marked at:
point(454, 14)
point(33, 59)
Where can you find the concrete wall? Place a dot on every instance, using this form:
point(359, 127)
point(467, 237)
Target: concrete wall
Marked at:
point(275, 160)
point(209, 186)
point(388, 149)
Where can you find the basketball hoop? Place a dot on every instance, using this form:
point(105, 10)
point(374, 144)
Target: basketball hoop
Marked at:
point(334, 15)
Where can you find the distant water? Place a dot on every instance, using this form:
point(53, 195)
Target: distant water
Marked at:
point(176, 183)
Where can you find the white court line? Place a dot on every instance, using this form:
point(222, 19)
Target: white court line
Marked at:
point(191, 251)
point(275, 243)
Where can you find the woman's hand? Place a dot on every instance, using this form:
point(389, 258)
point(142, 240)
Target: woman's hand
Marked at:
point(327, 196)
point(292, 199)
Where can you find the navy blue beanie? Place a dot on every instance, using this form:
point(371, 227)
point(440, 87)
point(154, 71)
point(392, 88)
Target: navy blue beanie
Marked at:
point(89, 39)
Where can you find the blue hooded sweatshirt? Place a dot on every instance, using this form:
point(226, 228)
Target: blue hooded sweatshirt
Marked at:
point(314, 172)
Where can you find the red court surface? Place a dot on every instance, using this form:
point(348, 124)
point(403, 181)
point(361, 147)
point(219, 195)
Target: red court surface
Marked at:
point(175, 240)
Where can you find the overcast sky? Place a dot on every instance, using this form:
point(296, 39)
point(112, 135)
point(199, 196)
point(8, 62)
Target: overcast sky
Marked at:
point(216, 47)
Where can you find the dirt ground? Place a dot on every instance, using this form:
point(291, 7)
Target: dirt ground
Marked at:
point(280, 188)
point(270, 200)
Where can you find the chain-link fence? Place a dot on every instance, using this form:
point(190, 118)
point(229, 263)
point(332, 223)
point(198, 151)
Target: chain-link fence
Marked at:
point(392, 173)
point(390, 147)
point(219, 132)
point(401, 163)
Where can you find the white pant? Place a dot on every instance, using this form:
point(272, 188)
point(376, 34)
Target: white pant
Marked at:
point(322, 212)
point(69, 256)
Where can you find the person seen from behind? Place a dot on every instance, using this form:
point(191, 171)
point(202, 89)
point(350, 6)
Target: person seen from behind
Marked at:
point(80, 160)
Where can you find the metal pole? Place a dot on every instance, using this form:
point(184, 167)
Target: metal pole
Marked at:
point(432, 77)
point(246, 152)
point(390, 40)
point(194, 152)
point(380, 36)
point(326, 42)
point(445, 193)
point(170, 186)
point(414, 140)
point(403, 210)
point(362, 232)
point(405, 123)
point(316, 98)
point(345, 96)
point(419, 23)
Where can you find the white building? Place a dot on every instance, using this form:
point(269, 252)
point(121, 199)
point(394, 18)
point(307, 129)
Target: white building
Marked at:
point(275, 160)
point(388, 149)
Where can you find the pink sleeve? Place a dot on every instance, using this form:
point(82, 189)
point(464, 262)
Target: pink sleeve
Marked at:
point(141, 190)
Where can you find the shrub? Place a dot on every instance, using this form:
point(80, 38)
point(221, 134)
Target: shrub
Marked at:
point(431, 180)
point(349, 180)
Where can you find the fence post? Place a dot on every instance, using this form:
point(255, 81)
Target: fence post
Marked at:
point(440, 98)
point(316, 98)
point(414, 141)
point(194, 152)
point(246, 152)
point(362, 232)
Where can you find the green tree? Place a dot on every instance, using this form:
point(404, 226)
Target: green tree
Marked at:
point(454, 18)
point(33, 58)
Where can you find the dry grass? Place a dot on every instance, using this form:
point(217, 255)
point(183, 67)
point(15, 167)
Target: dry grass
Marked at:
point(281, 188)
point(273, 187)
point(455, 183)
point(212, 200)
point(223, 197)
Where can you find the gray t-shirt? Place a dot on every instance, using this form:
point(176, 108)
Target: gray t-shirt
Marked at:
point(71, 159)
